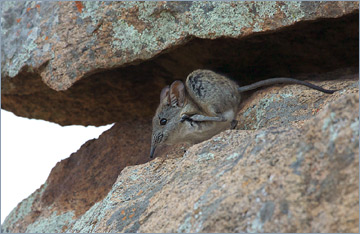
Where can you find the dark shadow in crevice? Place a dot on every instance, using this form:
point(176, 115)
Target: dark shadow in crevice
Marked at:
point(132, 92)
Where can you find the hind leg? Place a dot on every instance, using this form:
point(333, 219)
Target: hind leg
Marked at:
point(201, 118)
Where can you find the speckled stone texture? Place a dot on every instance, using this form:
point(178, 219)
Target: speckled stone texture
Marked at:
point(295, 173)
point(111, 59)
point(291, 165)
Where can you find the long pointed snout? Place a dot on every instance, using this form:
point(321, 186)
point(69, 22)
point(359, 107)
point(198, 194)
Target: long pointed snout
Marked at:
point(152, 150)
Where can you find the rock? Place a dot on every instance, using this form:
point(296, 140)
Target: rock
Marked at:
point(75, 184)
point(290, 166)
point(292, 104)
point(298, 175)
point(111, 59)
point(272, 180)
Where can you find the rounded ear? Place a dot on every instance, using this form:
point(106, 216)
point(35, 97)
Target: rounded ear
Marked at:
point(164, 94)
point(177, 93)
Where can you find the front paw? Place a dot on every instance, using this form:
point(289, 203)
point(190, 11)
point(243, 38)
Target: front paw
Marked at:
point(185, 117)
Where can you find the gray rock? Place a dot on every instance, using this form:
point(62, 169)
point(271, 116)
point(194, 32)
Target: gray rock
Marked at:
point(117, 56)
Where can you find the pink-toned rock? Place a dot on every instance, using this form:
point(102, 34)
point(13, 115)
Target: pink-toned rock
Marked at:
point(289, 176)
point(290, 166)
point(283, 179)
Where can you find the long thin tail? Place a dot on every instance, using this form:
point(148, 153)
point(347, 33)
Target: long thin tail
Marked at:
point(283, 81)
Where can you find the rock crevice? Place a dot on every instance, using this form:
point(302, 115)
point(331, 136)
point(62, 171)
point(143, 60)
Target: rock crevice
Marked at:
point(102, 84)
point(291, 164)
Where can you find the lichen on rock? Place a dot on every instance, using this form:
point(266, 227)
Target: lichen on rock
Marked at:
point(290, 165)
point(88, 49)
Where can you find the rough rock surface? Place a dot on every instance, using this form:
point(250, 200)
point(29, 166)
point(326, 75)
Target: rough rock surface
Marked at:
point(295, 173)
point(290, 166)
point(111, 59)
point(86, 177)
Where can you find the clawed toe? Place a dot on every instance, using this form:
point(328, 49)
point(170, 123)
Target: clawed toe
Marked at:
point(233, 124)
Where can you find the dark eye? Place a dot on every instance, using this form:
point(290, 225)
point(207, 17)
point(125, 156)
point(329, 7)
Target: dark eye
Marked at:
point(163, 121)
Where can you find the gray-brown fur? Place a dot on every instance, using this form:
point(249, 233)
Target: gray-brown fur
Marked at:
point(212, 92)
point(205, 106)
